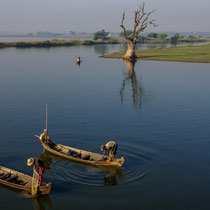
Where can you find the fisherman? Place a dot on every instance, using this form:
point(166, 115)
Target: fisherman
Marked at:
point(38, 167)
point(44, 137)
point(111, 147)
point(78, 59)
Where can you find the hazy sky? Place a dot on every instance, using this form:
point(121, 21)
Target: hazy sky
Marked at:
point(92, 15)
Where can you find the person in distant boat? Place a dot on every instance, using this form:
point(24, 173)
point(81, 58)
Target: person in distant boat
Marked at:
point(111, 147)
point(38, 167)
point(78, 60)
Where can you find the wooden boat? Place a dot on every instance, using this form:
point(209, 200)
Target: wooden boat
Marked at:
point(20, 181)
point(82, 156)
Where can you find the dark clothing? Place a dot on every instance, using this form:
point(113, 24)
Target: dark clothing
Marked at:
point(115, 149)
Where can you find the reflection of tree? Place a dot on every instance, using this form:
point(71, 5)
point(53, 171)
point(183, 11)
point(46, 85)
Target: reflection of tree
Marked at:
point(139, 95)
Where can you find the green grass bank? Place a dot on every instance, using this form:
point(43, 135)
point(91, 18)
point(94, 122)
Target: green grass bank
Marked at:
point(55, 43)
point(198, 54)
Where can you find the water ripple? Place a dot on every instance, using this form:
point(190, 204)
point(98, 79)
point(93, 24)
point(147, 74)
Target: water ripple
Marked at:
point(135, 168)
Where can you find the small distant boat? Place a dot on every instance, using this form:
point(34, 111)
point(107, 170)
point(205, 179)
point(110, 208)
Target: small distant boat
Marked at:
point(20, 181)
point(82, 156)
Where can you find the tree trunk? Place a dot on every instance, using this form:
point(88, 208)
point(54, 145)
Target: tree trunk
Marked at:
point(130, 54)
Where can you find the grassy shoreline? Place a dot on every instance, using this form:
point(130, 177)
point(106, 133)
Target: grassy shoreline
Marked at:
point(197, 54)
point(65, 43)
point(55, 43)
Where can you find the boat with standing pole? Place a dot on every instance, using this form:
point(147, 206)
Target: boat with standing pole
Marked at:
point(79, 155)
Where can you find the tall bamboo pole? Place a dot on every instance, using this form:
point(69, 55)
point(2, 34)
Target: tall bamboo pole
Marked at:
point(46, 115)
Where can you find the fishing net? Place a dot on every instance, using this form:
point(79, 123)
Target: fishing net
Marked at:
point(35, 183)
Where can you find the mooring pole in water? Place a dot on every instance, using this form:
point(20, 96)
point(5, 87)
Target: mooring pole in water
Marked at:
point(46, 115)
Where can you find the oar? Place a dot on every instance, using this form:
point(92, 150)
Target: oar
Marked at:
point(37, 136)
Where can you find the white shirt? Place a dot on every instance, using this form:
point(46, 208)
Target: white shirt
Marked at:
point(110, 144)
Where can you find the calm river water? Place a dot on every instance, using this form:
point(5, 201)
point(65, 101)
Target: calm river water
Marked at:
point(158, 112)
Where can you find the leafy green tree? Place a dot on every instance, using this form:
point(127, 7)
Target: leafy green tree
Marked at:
point(175, 38)
point(162, 36)
point(101, 35)
point(154, 35)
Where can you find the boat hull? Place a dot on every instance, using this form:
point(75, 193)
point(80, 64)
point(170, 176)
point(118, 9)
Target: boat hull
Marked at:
point(42, 189)
point(96, 158)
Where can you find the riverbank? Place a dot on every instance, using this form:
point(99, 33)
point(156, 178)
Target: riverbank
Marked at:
point(197, 54)
point(55, 43)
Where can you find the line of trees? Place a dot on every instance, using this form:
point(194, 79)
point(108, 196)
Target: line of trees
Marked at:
point(103, 35)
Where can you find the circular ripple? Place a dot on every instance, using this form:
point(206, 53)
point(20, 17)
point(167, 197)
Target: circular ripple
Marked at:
point(135, 168)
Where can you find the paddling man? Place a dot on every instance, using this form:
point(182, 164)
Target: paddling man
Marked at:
point(38, 166)
point(111, 147)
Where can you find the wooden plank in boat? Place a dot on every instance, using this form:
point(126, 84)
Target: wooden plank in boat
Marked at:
point(5, 176)
point(11, 178)
point(86, 157)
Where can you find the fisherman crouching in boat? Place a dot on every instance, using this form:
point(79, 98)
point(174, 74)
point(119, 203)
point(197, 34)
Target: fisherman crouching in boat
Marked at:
point(38, 167)
point(46, 139)
point(111, 147)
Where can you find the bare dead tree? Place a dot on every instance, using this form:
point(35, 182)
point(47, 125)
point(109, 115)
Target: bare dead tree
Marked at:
point(141, 22)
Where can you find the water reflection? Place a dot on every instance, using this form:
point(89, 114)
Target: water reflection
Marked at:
point(47, 160)
point(139, 94)
point(40, 202)
point(92, 176)
point(112, 178)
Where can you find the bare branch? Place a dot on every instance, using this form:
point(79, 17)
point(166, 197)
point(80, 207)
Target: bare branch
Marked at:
point(145, 22)
point(123, 27)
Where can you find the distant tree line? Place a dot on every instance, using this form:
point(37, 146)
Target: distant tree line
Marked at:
point(164, 37)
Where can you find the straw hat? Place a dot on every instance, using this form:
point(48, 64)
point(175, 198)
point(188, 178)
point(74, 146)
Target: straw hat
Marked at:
point(30, 161)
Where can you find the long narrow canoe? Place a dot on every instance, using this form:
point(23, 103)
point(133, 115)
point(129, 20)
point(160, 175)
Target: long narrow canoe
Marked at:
point(82, 156)
point(20, 181)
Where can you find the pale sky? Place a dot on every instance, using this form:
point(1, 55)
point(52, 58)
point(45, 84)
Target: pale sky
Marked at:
point(92, 15)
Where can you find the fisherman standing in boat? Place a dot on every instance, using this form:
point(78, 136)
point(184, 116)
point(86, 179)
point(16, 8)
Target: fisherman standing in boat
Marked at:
point(111, 147)
point(38, 166)
point(44, 137)
point(78, 61)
